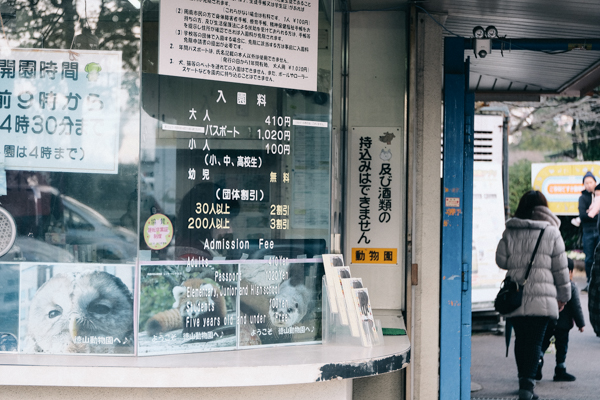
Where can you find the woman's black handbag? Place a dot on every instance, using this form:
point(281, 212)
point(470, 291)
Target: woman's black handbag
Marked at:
point(510, 296)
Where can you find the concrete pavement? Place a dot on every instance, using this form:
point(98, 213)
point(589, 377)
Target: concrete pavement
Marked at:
point(497, 374)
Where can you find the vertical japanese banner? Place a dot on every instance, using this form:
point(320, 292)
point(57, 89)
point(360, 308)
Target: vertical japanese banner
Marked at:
point(374, 195)
point(60, 110)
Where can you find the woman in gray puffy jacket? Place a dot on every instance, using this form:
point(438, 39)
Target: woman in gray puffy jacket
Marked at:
point(547, 289)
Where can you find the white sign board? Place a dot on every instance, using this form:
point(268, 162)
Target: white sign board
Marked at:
point(53, 110)
point(488, 138)
point(488, 225)
point(268, 43)
point(374, 201)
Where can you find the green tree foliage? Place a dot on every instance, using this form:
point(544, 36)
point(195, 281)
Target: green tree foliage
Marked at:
point(570, 233)
point(54, 24)
point(519, 182)
point(547, 137)
point(566, 126)
point(588, 136)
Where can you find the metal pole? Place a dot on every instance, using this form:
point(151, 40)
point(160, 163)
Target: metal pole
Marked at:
point(539, 44)
point(452, 220)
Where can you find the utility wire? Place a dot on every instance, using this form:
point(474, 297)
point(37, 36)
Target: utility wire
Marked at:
point(437, 22)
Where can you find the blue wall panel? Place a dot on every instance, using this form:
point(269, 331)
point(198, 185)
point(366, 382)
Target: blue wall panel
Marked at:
point(452, 229)
point(457, 189)
point(467, 252)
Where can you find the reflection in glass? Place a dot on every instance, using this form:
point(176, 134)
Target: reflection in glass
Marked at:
point(242, 171)
point(252, 165)
point(9, 307)
point(71, 138)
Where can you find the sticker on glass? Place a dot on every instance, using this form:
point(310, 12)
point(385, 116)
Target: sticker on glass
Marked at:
point(158, 231)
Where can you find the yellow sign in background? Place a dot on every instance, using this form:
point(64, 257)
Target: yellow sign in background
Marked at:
point(562, 184)
point(374, 256)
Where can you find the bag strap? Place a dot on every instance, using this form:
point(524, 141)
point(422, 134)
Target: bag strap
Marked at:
point(537, 244)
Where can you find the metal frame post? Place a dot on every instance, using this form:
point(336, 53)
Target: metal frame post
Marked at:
point(467, 249)
point(457, 198)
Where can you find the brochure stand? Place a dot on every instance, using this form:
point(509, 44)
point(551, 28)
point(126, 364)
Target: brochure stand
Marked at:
point(335, 333)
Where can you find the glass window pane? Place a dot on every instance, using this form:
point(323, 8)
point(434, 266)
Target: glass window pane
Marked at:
point(69, 90)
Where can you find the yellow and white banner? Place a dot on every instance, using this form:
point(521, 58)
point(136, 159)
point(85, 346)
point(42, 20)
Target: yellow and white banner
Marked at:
point(562, 183)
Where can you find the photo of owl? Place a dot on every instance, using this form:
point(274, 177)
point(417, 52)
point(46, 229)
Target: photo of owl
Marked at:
point(80, 311)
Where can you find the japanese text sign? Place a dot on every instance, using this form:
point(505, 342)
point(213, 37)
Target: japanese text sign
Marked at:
point(268, 43)
point(375, 203)
point(53, 110)
point(374, 256)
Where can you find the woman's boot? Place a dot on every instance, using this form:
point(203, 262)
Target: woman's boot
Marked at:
point(526, 389)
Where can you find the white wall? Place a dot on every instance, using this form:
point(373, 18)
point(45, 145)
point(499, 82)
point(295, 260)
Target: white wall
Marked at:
point(376, 94)
point(423, 300)
point(338, 390)
point(376, 98)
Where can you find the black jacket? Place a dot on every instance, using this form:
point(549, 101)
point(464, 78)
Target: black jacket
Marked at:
point(594, 295)
point(585, 201)
point(571, 312)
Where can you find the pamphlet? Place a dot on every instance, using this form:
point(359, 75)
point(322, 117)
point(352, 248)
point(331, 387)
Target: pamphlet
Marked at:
point(341, 273)
point(368, 329)
point(330, 261)
point(348, 285)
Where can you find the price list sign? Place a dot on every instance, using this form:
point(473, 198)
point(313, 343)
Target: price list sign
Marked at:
point(241, 169)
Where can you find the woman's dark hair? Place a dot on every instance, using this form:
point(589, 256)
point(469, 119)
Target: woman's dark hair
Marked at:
point(528, 202)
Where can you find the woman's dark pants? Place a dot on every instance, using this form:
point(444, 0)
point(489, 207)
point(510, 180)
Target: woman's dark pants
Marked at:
point(529, 335)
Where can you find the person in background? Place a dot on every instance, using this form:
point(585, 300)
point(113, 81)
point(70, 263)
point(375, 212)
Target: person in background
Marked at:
point(547, 289)
point(594, 294)
point(560, 331)
point(589, 224)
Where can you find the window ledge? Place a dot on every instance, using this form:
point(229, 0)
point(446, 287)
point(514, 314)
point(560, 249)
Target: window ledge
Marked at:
point(255, 367)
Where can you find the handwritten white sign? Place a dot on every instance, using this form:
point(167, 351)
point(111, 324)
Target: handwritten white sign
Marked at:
point(59, 110)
